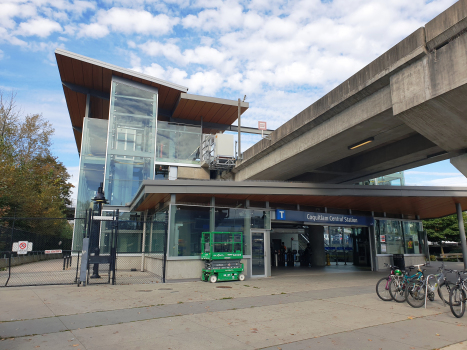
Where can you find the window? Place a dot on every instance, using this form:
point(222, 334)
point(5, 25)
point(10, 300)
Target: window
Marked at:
point(177, 143)
point(414, 237)
point(131, 140)
point(389, 238)
point(186, 226)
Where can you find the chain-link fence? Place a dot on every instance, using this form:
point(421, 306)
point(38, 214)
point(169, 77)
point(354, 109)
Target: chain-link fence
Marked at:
point(141, 247)
point(37, 251)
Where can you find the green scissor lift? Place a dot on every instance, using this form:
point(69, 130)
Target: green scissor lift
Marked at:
point(222, 252)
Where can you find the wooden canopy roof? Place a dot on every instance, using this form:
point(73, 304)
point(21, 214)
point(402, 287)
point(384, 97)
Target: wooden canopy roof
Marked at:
point(212, 109)
point(82, 75)
point(425, 202)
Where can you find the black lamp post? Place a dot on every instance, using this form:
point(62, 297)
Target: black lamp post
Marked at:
point(99, 199)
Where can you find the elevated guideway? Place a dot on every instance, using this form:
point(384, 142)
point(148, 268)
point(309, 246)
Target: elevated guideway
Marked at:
point(405, 109)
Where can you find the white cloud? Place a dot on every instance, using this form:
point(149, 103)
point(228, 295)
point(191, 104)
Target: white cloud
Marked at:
point(1, 54)
point(41, 27)
point(128, 21)
point(93, 30)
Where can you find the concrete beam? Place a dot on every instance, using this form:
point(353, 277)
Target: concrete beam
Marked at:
point(367, 81)
point(444, 27)
point(460, 162)
point(430, 96)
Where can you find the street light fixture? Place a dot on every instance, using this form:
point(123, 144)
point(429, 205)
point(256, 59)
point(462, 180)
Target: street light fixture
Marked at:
point(100, 200)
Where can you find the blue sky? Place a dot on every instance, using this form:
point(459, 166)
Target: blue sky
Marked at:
point(283, 55)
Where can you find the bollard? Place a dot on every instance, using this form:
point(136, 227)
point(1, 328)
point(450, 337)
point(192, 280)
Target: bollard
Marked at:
point(64, 263)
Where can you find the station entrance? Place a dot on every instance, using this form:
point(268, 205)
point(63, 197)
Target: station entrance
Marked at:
point(297, 248)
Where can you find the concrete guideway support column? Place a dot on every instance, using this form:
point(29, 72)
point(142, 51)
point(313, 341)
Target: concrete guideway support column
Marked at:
point(462, 233)
point(460, 162)
point(316, 237)
point(429, 96)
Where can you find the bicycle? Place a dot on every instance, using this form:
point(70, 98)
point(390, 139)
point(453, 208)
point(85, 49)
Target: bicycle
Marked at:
point(382, 286)
point(398, 285)
point(418, 290)
point(458, 295)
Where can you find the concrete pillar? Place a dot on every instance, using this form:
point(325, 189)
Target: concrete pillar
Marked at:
point(143, 244)
point(316, 237)
point(212, 215)
point(460, 162)
point(462, 233)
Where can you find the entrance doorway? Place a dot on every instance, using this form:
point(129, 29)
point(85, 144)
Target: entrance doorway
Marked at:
point(301, 248)
point(347, 245)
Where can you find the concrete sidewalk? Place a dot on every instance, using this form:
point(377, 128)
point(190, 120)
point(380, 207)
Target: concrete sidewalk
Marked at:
point(298, 311)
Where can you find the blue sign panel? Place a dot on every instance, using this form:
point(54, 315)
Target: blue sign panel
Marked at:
point(324, 218)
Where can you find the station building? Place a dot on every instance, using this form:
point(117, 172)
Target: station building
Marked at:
point(164, 153)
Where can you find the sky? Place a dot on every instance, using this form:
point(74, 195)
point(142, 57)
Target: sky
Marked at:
point(283, 55)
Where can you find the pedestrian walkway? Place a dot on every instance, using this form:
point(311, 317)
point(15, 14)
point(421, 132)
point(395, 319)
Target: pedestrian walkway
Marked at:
point(319, 311)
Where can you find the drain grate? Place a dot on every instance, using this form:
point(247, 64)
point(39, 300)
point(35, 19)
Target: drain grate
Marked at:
point(223, 287)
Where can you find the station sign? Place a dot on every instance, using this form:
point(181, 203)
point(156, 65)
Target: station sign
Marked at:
point(324, 218)
point(262, 126)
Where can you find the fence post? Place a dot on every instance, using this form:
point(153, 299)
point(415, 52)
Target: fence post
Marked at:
point(11, 248)
point(164, 262)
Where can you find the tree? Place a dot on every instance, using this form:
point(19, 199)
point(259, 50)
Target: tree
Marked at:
point(443, 229)
point(33, 183)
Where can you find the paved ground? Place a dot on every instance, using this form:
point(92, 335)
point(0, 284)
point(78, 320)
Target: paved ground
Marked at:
point(302, 309)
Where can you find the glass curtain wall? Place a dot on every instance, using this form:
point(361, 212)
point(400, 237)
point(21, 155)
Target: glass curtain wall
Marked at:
point(414, 237)
point(91, 171)
point(188, 222)
point(399, 237)
point(186, 225)
point(178, 143)
point(155, 232)
point(131, 140)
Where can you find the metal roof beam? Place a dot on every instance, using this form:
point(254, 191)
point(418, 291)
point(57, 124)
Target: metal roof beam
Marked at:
point(222, 127)
point(85, 91)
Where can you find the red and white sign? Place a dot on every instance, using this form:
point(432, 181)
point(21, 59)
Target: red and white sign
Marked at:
point(22, 247)
point(54, 251)
point(382, 238)
point(262, 126)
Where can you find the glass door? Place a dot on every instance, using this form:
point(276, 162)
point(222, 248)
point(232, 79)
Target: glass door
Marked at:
point(258, 254)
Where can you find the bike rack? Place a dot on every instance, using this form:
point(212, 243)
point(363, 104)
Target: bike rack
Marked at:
point(426, 287)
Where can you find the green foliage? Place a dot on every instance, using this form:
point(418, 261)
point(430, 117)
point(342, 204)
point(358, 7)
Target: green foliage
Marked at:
point(33, 183)
point(443, 229)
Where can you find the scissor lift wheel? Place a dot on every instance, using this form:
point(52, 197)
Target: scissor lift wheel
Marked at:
point(241, 277)
point(213, 279)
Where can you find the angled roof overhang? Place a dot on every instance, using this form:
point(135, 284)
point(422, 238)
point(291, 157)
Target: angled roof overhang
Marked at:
point(425, 202)
point(82, 76)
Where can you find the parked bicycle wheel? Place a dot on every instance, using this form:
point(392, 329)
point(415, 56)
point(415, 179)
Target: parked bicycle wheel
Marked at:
point(396, 289)
point(382, 289)
point(444, 290)
point(457, 299)
point(415, 293)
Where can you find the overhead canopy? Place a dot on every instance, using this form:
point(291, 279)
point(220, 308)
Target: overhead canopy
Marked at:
point(82, 75)
point(425, 202)
point(212, 109)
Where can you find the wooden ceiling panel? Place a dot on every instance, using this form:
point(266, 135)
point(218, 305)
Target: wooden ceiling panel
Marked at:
point(187, 110)
point(181, 105)
point(97, 78)
point(171, 100)
point(106, 80)
point(78, 77)
point(87, 75)
point(424, 206)
point(220, 115)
